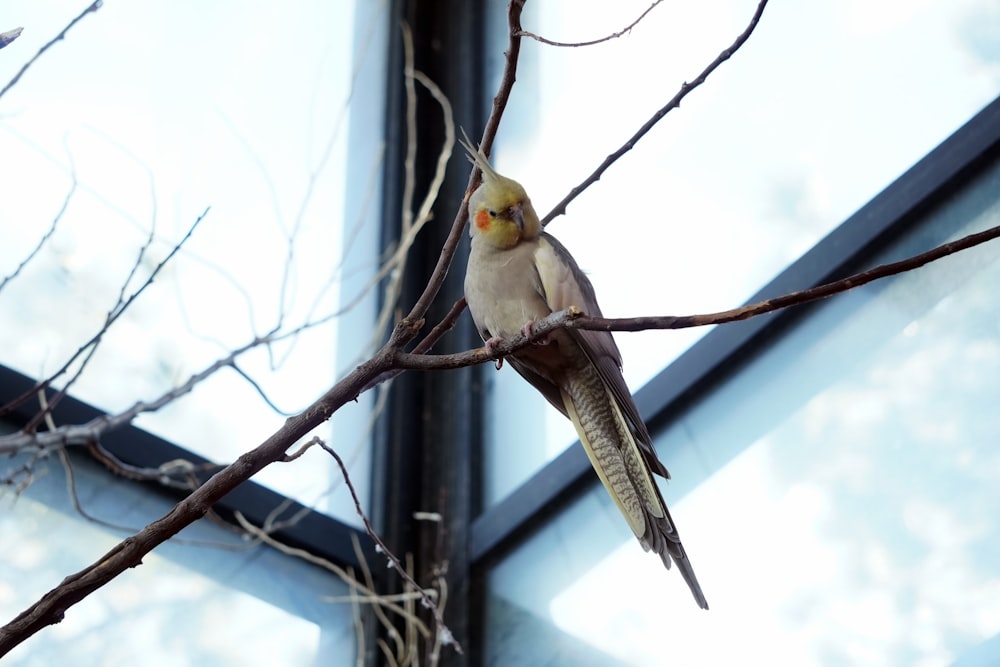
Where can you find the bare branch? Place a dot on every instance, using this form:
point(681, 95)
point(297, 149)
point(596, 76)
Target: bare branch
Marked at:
point(88, 348)
point(129, 553)
point(260, 390)
point(93, 7)
point(45, 237)
point(410, 225)
point(560, 208)
point(368, 593)
point(574, 318)
point(390, 628)
point(614, 35)
point(403, 573)
point(410, 324)
point(427, 344)
point(90, 432)
point(410, 159)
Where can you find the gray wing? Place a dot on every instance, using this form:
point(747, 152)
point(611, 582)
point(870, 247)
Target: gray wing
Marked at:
point(563, 284)
point(569, 286)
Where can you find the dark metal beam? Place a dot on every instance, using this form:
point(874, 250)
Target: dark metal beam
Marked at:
point(427, 440)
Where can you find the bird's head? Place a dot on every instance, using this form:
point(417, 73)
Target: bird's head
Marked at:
point(499, 210)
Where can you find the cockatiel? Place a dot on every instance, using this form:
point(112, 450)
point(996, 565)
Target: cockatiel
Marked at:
point(518, 274)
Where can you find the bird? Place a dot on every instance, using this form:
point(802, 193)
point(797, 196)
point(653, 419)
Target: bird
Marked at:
point(517, 274)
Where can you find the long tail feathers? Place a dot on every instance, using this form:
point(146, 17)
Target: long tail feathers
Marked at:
point(613, 452)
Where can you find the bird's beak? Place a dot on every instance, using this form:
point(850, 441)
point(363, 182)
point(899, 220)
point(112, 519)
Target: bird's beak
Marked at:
point(517, 215)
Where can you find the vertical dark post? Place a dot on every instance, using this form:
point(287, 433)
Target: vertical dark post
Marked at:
point(427, 441)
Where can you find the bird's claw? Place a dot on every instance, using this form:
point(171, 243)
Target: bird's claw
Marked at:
point(491, 346)
point(526, 331)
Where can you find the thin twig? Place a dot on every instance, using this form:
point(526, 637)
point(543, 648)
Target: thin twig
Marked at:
point(560, 208)
point(312, 186)
point(367, 593)
point(411, 226)
point(71, 478)
point(410, 158)
point(93, 7)
point(614, 35)
point(412, 649)
point(260, 391)
point(446, 324)
point(380, 615)
point(45, 237)
point(359, 627)
point(112, 316)
point(390, 597)
point(394, 561)
point(408, 328)
point(119, 307)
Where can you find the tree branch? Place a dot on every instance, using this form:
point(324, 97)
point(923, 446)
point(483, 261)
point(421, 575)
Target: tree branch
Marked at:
point(560, 208)
point(425, 596)
point(45, 237)
point(129, 553)
point(574, 318)
point(458, 226)
point(87, 349)
point(614, 35)
point(93, 7)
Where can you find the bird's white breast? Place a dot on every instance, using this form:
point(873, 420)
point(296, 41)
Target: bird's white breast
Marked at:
point(502, 288)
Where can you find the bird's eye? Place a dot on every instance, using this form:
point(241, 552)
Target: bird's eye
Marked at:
point(492, 213)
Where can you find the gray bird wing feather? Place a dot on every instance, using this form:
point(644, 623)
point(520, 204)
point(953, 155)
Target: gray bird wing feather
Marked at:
point(599, 346)
point(575, 289)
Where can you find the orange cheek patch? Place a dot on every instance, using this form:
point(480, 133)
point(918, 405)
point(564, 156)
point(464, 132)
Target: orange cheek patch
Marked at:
point(483, 220)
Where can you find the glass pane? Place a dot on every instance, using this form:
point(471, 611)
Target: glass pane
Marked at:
point(157, 111)
point(826, 104)
point(838, 497)
point(204, 598)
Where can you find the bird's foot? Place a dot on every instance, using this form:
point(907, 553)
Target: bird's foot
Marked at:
point(491, 346)
point(526, 330)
